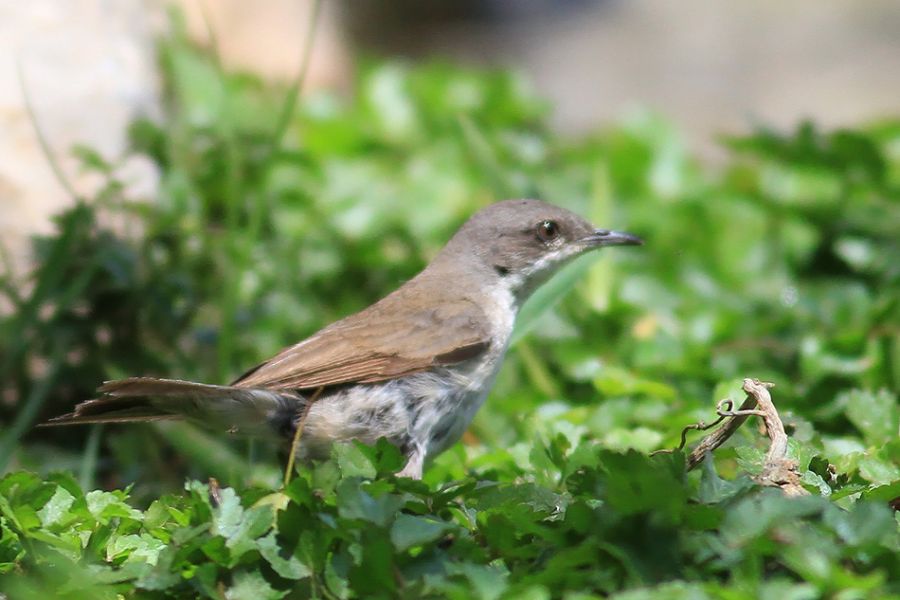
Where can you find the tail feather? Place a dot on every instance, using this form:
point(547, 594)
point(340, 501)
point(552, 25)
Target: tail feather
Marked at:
point(251, 411)
point(146, 386)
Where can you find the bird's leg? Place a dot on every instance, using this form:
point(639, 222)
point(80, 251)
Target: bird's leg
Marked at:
point(415, 464)
point(298, 431)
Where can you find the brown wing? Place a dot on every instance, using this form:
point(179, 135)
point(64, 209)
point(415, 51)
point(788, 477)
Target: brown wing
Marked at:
point(384, 341)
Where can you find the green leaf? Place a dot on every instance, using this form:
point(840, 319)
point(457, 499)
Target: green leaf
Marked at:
point(57, 508)
point(754, 516)
point(255, 522)
point(634, 482)
point(866, 523)
point(355, 503)
point(228, 515)
point(353, 461)
point(108, 505)
point(290, 567)
point(875, 414)
point(714, 489)
point(488, 582)
point(878, 470)
point(668, 591)
point(883, 492)
point(615, 381)
point(160, 577)
point(251, 585)
point(135, 548)
point(337, 581)
point(410, 530)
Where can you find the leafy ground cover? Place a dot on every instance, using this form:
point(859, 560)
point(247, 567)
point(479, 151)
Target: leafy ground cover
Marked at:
point(778, 264)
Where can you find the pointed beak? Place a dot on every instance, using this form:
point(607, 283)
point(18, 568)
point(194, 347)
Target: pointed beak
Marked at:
point(605, 237)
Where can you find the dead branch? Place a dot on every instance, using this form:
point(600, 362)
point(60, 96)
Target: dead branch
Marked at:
point(778, 470)
point(718, 437)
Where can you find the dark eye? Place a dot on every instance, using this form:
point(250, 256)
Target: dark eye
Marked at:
point(547, 230)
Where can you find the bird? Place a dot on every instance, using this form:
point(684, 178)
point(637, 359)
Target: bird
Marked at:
point(413, 368)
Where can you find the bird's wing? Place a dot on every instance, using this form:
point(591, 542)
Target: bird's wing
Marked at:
point(383, 342)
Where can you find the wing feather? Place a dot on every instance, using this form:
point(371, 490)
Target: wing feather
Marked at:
point(385, 341)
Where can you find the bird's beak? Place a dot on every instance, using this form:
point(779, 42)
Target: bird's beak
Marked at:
point(605, 237)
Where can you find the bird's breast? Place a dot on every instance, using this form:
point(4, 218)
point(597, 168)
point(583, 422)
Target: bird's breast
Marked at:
point(444, 416)
point(500, 307)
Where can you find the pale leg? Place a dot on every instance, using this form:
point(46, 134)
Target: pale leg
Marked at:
point(414, 465)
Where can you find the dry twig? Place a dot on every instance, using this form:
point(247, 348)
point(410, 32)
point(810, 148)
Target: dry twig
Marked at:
point(778, 470)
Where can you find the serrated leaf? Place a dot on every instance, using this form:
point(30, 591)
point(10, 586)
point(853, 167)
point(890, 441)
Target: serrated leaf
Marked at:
point(255, 522)
point(108, 505)
point(290, 567)
point(57, 508)
point(142, 548)
point(251, 585)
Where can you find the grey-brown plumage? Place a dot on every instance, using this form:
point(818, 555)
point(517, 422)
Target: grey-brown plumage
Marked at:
point(392, 338)
point(413, 367)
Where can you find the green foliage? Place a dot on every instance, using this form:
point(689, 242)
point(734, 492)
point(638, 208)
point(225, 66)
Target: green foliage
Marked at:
point(779, 264)
point(617, 521)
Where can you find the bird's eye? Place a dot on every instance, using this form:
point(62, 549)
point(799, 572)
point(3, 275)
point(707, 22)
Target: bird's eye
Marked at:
point(547, 231)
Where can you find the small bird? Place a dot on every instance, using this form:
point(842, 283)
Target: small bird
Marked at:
point(413, 368)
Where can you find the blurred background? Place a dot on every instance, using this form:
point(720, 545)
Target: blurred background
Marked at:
point(222, 220)
point(709, 67)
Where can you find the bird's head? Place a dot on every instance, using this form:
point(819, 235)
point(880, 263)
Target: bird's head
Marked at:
point(524, 242)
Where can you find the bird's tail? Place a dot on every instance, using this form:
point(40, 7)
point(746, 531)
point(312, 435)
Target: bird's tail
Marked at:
point(239, 410)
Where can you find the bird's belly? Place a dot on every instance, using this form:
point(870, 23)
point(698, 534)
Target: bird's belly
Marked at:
point(364, 413)
point(426, 412)
point(449, 421)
